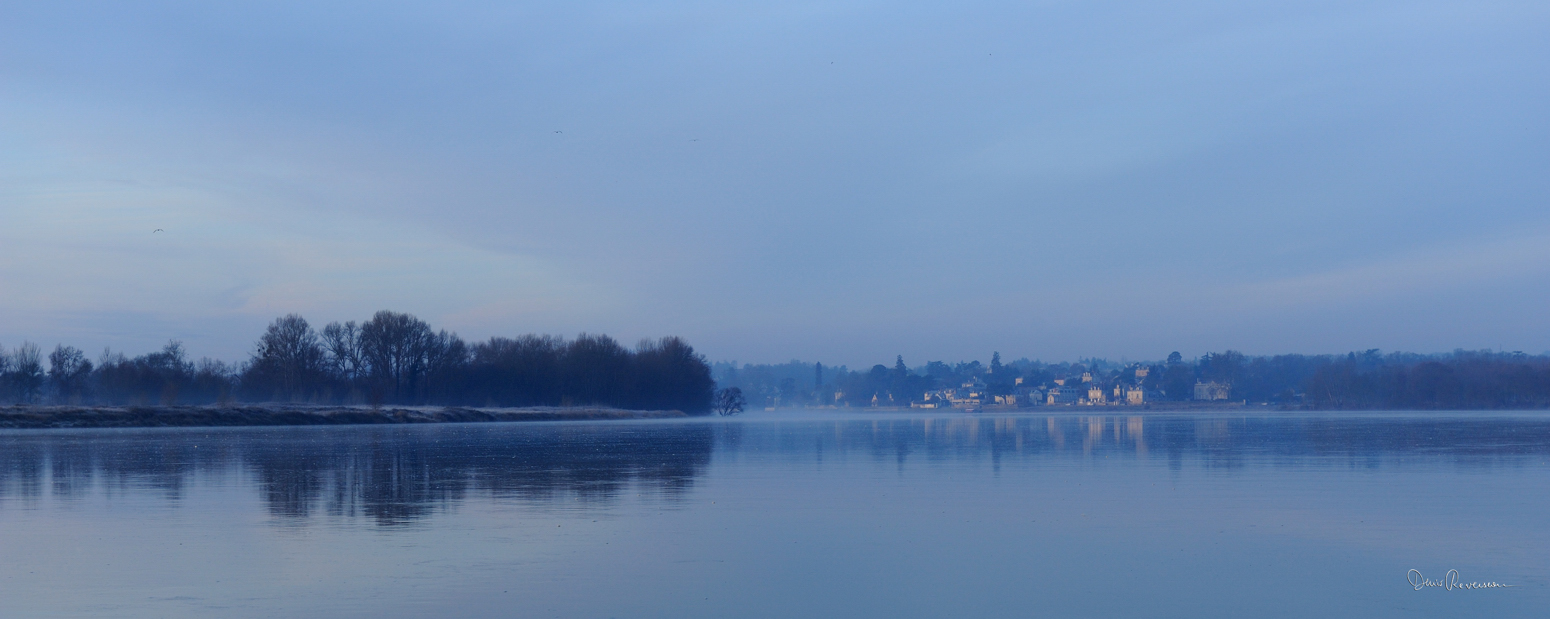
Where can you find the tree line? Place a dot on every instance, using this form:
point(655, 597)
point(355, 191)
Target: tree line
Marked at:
point(393, 358)
point(396, 358)
point(1370, 379)
point(1357, 380)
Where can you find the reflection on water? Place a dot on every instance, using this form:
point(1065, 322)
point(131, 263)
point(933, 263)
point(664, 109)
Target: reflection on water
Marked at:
point(389, 476)
point(393, 476)
point(785, 514)
point(1214, 441)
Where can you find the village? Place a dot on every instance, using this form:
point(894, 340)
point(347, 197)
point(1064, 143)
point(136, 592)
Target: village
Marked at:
point(1084, 391)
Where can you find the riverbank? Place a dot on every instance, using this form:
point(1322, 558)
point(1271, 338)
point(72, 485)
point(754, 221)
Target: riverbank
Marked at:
point(1185, 406)
point(29, 417)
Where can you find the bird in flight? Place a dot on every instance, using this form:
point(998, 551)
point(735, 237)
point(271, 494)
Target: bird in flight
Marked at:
point(559, 132)
point(157, 230)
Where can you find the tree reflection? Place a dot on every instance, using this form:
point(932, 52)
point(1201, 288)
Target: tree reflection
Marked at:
point(398, 475)
point(389, 476)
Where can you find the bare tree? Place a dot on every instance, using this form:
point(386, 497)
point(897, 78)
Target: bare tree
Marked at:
point(212, 381)
point(27, 375)
point(394, 347)
point(69, 372)
point(342, 347)
point(593, 369)
point(5, 374)
point(729, 401)
point(517, 372)
point(669, 374)
point(289, 358)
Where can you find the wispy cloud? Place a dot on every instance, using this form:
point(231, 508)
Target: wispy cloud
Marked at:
point(839, 181)
point(1426, 272)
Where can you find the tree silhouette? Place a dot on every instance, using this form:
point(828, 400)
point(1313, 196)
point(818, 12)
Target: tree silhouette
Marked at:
point(729, 401)
point(69, 373)
point(27, 372)
point(288, 362)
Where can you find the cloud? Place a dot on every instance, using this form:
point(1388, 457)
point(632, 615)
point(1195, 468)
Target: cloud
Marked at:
point(1050, 179)
point(1423, 273)
point(75, 249)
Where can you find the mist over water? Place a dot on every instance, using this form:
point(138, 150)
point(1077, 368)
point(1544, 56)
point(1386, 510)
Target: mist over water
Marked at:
point(784, 514)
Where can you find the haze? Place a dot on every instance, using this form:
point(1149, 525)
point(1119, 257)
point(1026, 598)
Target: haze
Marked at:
point(833, 181)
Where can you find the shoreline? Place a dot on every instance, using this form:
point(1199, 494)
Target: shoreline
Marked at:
point(1196, 406)
point(26, 417)
point(1158, 407)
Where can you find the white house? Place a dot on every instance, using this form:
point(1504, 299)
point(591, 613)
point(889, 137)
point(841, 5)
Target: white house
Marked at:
point(1212, 391)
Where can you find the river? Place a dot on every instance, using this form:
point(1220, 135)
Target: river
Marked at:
point(787, 514)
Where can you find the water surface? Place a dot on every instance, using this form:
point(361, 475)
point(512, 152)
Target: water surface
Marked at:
point(785, 514)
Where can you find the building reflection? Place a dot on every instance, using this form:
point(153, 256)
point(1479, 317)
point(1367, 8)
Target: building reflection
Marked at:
point(1216, 441)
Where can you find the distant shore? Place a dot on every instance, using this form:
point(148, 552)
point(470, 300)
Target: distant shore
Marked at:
point(1191, 405)
point(38, 417)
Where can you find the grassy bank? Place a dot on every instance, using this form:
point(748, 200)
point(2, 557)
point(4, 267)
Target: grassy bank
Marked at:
point(287, 415)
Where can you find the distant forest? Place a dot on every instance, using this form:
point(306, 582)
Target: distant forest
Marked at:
point(391, 359)
point(1358, 380)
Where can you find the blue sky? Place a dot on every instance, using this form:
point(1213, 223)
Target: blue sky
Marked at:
point(836, 181)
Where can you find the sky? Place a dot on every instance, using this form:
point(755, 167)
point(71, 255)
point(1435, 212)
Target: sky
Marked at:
point(833, 181)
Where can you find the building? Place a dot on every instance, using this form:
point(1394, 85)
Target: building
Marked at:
point(967, 400)
point(971, 393)
point(932, 399)
point(1061, 394)
point(1212, 391)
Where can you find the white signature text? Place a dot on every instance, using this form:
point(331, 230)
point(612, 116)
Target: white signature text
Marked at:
point(1449, 582)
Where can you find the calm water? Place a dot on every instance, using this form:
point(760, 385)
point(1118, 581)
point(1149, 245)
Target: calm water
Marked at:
point(785, 514)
